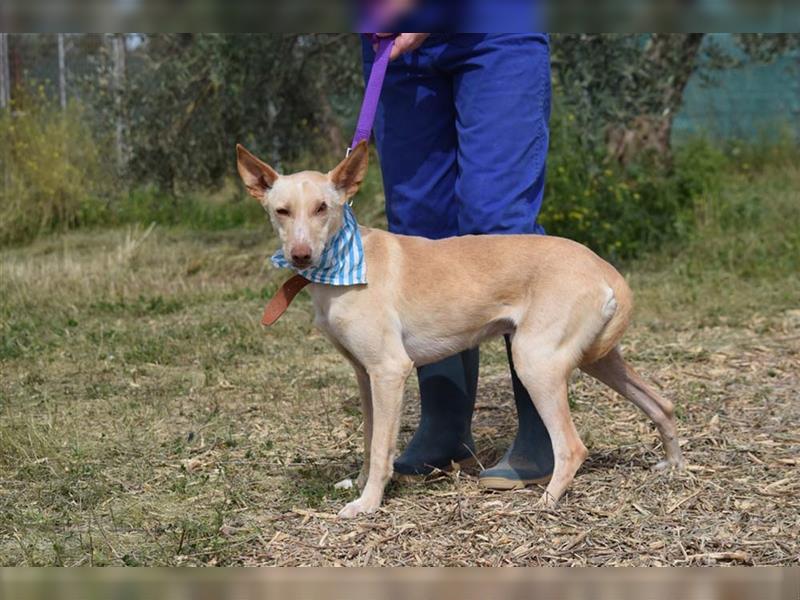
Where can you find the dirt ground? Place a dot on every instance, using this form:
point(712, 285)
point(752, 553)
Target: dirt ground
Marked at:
point(738, 501)
point(147, 419)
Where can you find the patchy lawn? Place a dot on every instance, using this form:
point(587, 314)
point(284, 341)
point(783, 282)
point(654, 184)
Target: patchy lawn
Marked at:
point(147, 419)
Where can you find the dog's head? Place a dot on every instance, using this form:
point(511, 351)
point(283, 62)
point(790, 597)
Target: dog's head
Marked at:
point(306, 207)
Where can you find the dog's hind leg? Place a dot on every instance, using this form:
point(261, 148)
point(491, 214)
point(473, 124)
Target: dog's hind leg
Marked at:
point(387, 401)
point(613, 371)
point(544, 373)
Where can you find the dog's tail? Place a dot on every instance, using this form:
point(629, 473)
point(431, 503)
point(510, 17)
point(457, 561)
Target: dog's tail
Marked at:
point(618, 309)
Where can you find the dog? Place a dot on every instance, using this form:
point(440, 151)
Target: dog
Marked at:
point(562, 305)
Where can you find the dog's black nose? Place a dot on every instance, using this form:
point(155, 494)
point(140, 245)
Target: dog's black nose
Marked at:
point(301, 255)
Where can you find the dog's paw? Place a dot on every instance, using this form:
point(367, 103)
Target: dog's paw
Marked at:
point(357, 507)
point(667, 464)
point(546, 501)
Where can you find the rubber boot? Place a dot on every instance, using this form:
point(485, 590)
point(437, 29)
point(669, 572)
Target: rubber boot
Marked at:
point(447, 398)
point(529, 460)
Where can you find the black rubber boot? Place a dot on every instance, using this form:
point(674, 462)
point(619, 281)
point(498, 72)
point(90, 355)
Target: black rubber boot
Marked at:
point(447, 398)
point(529, 460)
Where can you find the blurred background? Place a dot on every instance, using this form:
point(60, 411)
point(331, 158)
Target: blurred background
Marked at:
point(108, 129)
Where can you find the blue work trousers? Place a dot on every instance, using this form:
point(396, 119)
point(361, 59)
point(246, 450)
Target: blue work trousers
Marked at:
point(462, 134)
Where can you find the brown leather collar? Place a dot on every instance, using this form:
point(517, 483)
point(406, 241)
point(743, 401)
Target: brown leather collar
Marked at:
point(283, 298)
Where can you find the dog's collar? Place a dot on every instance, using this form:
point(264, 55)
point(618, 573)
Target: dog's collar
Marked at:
point(342, 261)
point(283, 298)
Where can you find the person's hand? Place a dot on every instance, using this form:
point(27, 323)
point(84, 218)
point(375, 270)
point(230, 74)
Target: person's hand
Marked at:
point(404, 42)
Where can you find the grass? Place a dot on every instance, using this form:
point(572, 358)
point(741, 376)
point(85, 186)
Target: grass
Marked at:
point(741, 260)
point(147, 419)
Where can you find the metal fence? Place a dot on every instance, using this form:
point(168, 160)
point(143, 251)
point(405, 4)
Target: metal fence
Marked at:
point(749, 102)
point(66, 67)
point(59, 62)
point(5, 75)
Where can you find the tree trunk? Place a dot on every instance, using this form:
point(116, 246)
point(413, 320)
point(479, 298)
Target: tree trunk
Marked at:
point(673, 59)
point(675, 54)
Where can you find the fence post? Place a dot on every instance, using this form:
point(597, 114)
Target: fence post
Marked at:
point(62, 73)
point(5, 100)
point(5, 72)
point(118, 75)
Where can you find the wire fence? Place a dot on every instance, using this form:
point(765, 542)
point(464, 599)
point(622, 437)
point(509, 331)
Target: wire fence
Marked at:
point(66, 67)
point(746, 102)
point(54, 60)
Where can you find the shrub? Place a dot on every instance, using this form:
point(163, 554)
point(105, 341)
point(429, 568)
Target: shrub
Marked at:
point(50, 167)
point(621, 212)
point(751, 228)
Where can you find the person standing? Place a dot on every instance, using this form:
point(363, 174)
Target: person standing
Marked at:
point(462, 135)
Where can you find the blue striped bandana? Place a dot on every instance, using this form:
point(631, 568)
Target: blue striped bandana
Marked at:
point(342, 261)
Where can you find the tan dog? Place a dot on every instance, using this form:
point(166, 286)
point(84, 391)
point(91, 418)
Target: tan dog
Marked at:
point(563, 306)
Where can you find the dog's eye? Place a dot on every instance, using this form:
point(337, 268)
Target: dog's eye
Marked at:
point(321, 208)
point(284, 212)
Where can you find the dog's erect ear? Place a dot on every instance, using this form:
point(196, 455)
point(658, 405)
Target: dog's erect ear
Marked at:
point(348, 174)
point(258, 176)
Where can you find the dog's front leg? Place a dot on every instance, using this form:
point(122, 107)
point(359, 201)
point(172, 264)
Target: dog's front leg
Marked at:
point(387, 401)
point(365, 391)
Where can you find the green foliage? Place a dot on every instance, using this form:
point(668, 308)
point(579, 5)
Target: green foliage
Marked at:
point(189, 98)
point(749, 231)
point(51, 168)
point(699, 168)
point(608, 79)
point(766, 47)
point(767, 153)
point(193, 210)
point(621, 212)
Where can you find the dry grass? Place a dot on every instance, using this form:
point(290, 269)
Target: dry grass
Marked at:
point(737, 503)
point(146, 418)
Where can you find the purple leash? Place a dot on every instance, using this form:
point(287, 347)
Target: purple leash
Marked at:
point(373, 91)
